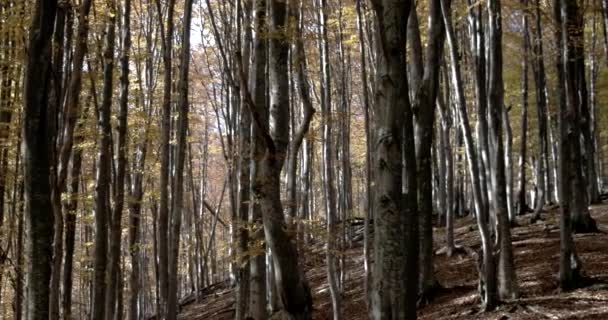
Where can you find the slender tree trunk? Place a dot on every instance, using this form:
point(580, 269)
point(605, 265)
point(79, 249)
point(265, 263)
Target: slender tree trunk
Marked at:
point(180, 154)
point(424, 106)
point(114, 271)
point(538, 68)
point(328, 168)
point(522, 206)
point(102, 189)
point(257, 298)
point(368, 195)
point(242, 275)
point(487, 271)
point(163, 213)
point(507, 280)
point(395, 273)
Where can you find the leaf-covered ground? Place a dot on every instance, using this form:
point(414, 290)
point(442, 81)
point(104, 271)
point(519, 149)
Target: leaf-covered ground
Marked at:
point(536, 248)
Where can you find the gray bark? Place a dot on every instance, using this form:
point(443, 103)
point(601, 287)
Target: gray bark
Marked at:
point(177, 207)
point(487, 272)
point(395, 274)
point(329, 190)
point(163, 213)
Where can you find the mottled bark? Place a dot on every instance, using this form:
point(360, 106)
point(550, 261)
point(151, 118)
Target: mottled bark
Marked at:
point(424, 109)
point(395, 273)
point(507, 280)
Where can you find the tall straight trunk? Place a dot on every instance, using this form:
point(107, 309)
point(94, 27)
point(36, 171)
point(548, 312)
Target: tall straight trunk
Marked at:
point(368, 196)
point(70, 232)
point(538, 68)
point(507, 280)
point(446, 125)
point(478, 39)
point(508, 159)
point(19, 283)
point(37, 162)
point(180, 155)
point(586, 126)
point(488, 285)
point(605, 23)
point(395, 273)
point(55, 107)
point(103, 175)
point(569, 19)
point(242, 273)
point(424, 104)
point(522, 205)
point(257, 75)
point(114, 271)
point(574, 36)
point(164, 183)
point(328, 167)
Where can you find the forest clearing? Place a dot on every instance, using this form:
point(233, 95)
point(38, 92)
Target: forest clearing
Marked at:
point(303, 159)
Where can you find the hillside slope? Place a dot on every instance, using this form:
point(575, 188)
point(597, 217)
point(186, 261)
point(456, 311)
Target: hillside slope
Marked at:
point(536, 248)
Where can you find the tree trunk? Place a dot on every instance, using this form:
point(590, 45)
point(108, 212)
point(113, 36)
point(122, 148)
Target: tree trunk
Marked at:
point(163, 213)
point(507, 280)
point(487, 271)
point(329, 190)
point(104, 162)
point(395, 273)
point(522, 206)
point(37, 162)
point(257, 298)
point(180, 154)
point(368, 160)
point(567, 15)
point(538, 68)
point(114, 272)
point(242, 273)
point(424, 107)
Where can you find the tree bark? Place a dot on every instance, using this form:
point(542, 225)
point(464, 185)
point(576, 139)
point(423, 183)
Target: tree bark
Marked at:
point(487, 271)
point(164, 184)
point(114, 271)
point(329, 190)
point(522, 206)
point(567, 15)
point(395, 273)
point(507, 280)
point(424, 109)
point(103, 175)
point(180, 155)
point(36, 156)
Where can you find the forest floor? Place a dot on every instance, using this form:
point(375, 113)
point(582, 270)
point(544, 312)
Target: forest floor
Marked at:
point(536, 249)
